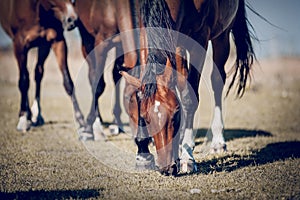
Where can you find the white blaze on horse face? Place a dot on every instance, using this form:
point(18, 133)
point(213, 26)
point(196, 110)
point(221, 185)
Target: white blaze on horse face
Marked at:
point(156, 106)
point(70, 17)
point(70, 11)
point(217, 130)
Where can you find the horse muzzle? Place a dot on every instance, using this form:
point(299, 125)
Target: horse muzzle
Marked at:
point(70, 23)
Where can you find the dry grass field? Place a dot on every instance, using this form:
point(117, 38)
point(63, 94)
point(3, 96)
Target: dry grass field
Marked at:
point(261, 129)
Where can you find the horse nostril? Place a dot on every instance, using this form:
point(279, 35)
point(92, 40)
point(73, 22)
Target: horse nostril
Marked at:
point(69, 20)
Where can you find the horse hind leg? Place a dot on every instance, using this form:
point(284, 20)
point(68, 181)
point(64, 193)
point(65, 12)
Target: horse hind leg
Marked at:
point(117, 127)
point(60, 50)
point(94, 129)
point(221, 49)
point(36, 118)
point(24, 122)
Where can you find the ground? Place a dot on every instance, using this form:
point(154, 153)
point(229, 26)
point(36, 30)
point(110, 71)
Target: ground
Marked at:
point(261, 129)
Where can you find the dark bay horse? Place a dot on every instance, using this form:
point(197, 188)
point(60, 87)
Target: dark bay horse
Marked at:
point(216, 20)
point(39, 23)
point(202, 21)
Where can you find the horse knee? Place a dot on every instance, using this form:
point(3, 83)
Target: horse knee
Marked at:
point(218, 76)
point(39, 72)
point(24, 81)
point(69, 86)
point(100, 88)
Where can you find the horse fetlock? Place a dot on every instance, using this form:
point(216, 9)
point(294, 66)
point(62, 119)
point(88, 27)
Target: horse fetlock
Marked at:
point(217, 128)
point(145, 161)
point(36, 117)
point(218, 144)
point(171, 170)
point(188, 166)
point(80, 119)
point(24, 123)
point(218, 147)
point(114, 129)
point(98, 130)
point(86, 134)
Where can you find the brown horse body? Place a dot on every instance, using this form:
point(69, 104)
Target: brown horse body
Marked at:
point(39, 23)
point(150, 97)
point(100, 23)
point(203, 21)
point(107, 24)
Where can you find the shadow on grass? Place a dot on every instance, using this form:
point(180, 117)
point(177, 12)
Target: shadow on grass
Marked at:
point(56, 194)
point(230, 134)
point(271, 153)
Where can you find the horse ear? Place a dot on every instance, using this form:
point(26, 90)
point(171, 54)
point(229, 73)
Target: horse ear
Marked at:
point(48, 4)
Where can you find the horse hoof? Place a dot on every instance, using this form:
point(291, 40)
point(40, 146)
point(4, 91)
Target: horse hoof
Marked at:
point(38, 121)
point(188, 167)
point(97, 130)
point(23, 124)
point(80, 130)
point(218, 148)
point(145, 162)
point(114, 129)
point(169, 170)
point(84, 136)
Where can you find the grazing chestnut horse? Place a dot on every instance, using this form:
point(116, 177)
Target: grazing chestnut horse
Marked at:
point(99, 23)
point(154, 108)
point(39, 23)
point(202, 21)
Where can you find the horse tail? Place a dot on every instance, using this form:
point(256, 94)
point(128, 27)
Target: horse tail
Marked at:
point(161, 44)
point(244, 49)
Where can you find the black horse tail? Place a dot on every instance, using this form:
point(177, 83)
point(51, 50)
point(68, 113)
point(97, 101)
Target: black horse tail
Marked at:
point(244, 49)
point(156, 15)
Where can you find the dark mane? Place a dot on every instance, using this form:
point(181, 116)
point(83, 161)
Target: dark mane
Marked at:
point(161, 44)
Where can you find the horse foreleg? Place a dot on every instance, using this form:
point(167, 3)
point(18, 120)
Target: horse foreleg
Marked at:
point(43, 52)
point(144, 159)
point(25, 113)
point(96, 58)
point(117, 106)
point(221, 48)
point(60, 50)
point(190, 101)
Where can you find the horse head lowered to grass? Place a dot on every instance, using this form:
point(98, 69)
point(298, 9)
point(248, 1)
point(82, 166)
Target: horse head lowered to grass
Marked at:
point(161, 93)
point(201, 22)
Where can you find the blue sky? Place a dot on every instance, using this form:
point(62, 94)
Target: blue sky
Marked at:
point(275, 41)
